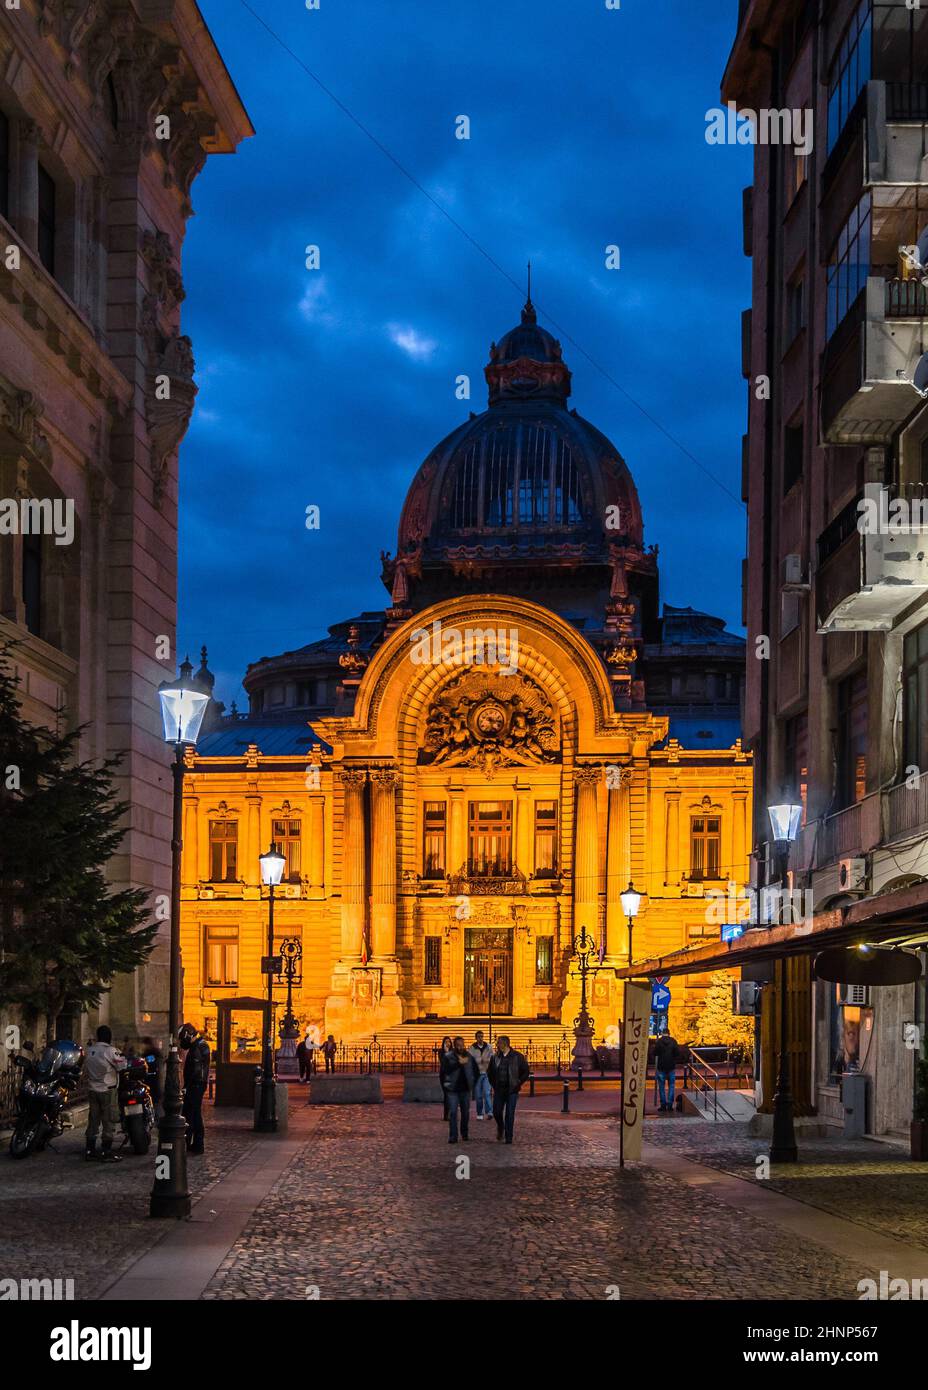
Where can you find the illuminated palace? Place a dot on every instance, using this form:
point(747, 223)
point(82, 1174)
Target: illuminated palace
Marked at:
point(462, 782)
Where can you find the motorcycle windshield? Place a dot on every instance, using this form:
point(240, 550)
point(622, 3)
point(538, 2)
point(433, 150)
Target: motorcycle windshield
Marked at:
point(48, 1064)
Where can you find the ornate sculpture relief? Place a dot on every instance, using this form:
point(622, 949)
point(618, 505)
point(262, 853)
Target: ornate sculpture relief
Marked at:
point(477, 722)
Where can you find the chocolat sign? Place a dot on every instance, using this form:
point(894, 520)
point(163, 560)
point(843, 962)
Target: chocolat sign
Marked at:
point(634, 1066)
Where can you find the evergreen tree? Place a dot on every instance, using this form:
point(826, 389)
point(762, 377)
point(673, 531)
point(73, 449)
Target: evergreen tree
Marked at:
point(63, 934)
point(716, 1024)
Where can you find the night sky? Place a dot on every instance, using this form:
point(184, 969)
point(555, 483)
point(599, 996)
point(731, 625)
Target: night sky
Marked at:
point(330, 387)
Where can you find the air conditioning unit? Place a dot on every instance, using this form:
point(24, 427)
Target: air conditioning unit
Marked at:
point(744, 997)
point(856, 995)
point(852, 875)
point(793, 573)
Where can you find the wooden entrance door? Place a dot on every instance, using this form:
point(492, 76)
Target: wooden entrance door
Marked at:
point(487, 972)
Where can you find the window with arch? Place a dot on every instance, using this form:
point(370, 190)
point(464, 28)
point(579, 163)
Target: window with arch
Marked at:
point(521, 475)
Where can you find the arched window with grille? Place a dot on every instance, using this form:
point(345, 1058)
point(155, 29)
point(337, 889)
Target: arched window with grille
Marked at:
point(522, 475)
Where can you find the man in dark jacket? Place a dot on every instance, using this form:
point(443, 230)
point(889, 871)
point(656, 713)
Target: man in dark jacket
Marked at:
point(508, 1072)
point(459, 1075)
point(196, 1080)
point(665, 1063)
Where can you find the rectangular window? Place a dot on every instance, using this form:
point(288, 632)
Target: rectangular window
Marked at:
point(849, 265)
point(286, 836)
point(705, 847)
point(47, 219)
point(32, 583)
point(221, 956)
point(793, 449)
point(223, 850)
point(432, 974)
point(851, 740)
point(544, 960)
point(850, 72)
point(545, 839)
point(433, 840)
point(489, 846)
point(915, 698)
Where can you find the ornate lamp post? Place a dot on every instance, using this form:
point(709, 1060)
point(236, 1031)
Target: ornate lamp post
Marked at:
point(584, 946)
point(272, 869)
point(291, 952)
point(785, 820)
point(183, 705)
point(631, 901)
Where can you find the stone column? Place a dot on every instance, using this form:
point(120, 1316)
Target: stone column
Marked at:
point(191, 847)
point(27, 189)
point(738, 870)
point(384, 782)
point(672, 838)
point(618, 860)
point(353, 876)
point(316, 863)
point(457, 831)
point(586, 851)
point(250, 871)
point(524, 858)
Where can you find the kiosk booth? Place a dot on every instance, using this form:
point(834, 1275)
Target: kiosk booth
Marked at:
point(241, 1026)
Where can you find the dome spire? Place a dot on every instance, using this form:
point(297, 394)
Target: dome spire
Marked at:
point(526, 363)
point(528, 313)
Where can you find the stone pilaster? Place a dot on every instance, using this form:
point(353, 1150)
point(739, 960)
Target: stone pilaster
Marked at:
point(353, 780)
point(586, 850)
point(384, 782)
point(618, 861)
point(316, 864)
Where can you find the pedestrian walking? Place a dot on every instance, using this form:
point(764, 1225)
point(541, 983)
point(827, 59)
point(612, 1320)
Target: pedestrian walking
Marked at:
point(446, 1046)
point(196, 1080)
point(482, 1053)
point(459, 1076)
point(102, 1067)
point(311, 1050)
point(301, 1060)
point(329, 1049)
point(666, 1055)
point(508, 1071)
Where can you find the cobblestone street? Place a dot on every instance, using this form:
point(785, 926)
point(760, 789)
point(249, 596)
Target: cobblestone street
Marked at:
point(370, 1203)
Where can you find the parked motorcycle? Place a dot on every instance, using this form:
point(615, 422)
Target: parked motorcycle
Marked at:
point(44, 1090)
point(136, 1111)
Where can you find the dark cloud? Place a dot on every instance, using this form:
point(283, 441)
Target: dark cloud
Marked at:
point(330, 387)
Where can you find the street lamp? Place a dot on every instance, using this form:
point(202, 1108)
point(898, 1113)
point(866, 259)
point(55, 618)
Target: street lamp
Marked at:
point(183, 705)
point(785, 821)
point(584, 1057)
point(631, 901)
point(272, 871)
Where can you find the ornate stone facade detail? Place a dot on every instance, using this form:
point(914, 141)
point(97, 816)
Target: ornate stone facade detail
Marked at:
point(168, 410)
point(352, 778)
point(387, 778)
point(20, 413)
point(588, 775)
point(477, 722)
point(353, 661)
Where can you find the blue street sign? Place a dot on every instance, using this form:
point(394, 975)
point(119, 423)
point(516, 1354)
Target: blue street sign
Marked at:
point(660, 996)
point(732, 930)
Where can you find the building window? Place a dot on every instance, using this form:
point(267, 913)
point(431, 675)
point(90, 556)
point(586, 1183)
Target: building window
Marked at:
point(489, 853)
point(851, 740)
point(796, 760)
point(46, 234)
point(850, 72)
point(286, 836)
point(915, 698)
point(544, 960)
point(306, 693)
point(793, 448)
point(433, 840)
point(519, 475)
point(223, 850)
point(545, 839)
point(850, 263)
point(705, 847)
point(432, 975)
point(32, 583)
point(221, 956)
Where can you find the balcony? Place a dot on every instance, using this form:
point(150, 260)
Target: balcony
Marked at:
point(871, 566)
point(868, 365)
point(895, 152)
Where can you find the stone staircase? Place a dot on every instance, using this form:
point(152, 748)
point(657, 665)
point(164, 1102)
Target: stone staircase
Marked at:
point(429, 1033)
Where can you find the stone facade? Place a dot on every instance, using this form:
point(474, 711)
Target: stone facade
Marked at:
point(108, 111)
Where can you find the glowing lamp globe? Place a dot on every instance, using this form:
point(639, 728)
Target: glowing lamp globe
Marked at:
point(272, 867)
point(631, 901)
point(183, 705)
point(785, 821)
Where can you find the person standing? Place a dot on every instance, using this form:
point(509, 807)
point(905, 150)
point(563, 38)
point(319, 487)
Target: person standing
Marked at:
point(310, 1055)
point(329, 1049)
point(301, 1057)
point(459, 1076)
point(482, 1053)
point(445, 1047)
point(102, 1068)
point(665, 1069)
point(196, 1080)
point(508, 1071)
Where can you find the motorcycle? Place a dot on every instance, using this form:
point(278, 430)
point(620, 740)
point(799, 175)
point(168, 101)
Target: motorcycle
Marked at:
point(44, 1090)
point(136, 1111)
